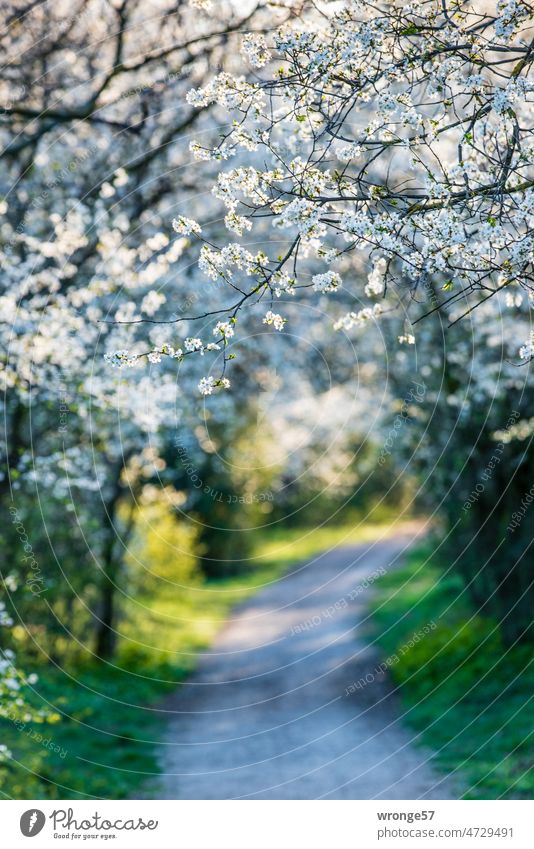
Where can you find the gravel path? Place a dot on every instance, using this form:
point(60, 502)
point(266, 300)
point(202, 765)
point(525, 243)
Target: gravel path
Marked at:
point(266, 715)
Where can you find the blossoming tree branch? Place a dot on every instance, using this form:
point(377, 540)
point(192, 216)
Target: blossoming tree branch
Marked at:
point(401, 133)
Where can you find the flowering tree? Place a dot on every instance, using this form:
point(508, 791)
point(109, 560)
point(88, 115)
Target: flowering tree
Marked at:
point(396, 134)
point(91, 164)
point(94, 170)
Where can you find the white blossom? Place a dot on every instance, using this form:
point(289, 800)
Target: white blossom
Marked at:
point(121, 359)
point(186, 226)
point(152, 302)
point(192, 344)
point(254, 48)
point(330, 281)
point(275, 319)
point(224, 328)
point(208, 384)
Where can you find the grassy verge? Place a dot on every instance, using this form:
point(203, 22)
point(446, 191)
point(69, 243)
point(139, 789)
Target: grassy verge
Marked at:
point(99, 741)
point(470, 698)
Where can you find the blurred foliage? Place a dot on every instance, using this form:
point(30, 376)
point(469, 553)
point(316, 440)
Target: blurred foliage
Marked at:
point(228, 489)
point(162, 553)
point(462, 435)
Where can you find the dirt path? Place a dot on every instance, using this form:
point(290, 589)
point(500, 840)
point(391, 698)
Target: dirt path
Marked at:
point(266, 715)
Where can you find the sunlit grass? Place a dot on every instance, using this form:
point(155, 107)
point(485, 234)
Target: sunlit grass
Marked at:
point(470, 698)
point(288, 546)
point(178, 622)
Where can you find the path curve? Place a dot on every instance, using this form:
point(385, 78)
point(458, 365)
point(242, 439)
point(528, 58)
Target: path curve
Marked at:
point(266, 714)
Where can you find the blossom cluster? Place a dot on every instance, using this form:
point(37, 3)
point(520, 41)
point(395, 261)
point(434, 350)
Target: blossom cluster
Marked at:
point(398, 135)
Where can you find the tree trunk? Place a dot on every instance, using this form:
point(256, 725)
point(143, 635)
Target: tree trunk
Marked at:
point(106, 620)
point(105, 635)
point(106, 638)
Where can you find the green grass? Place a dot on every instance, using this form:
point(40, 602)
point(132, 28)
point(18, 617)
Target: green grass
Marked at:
point(471, 699)
point(286, 546)
point(104, 718)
